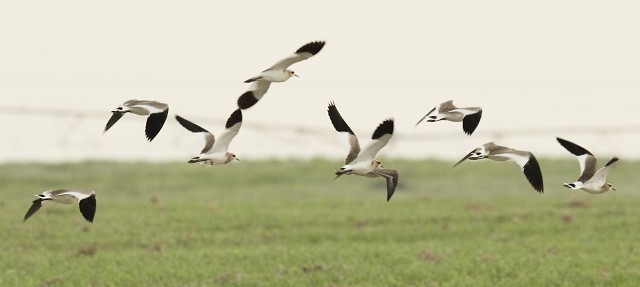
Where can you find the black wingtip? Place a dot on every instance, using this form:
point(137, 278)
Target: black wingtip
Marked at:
point(236, 117)
point(155, 123)
point(573, 148)
point(533, 173)
point(189, 125)
point(336, 119)
point(312, 47)
point(35, 206)
point(115, 116)
point(88, 207)
point(464, 158)
point(247, 100)
point(470, 122)
point(612, 161)
point(386, 127)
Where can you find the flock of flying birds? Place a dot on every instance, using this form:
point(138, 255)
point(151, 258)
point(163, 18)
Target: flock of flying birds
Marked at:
point(359, 161)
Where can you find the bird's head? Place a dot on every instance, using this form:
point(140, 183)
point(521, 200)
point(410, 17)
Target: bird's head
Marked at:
point(291, 73)
point(609, 186)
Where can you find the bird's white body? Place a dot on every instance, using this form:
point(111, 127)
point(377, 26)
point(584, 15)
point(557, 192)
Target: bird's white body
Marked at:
point(65, 197)
point(362, 168)
point(276, 76)
point(216, 158)
point(141, 107)
point(589, 187)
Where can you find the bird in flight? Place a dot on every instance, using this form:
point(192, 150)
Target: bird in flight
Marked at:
point(590, 180)
point(215, 151)
point(363, 162)
point(86, 201)
point(470, 117)
point(157, 114)
point(526, 160)
point(276, 73)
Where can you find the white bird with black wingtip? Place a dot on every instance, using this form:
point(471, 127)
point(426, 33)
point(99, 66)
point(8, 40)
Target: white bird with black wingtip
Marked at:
point(215, 151)
point(86, 201)
point(364, 163)
point(276, 73)
point(590, 180)
point(526, 160)
point(470, 117)
point(156, 111)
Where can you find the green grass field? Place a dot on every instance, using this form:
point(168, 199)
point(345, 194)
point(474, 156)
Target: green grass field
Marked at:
point(275, 223)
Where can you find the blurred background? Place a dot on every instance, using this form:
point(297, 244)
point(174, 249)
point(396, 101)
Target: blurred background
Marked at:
point(539, 69)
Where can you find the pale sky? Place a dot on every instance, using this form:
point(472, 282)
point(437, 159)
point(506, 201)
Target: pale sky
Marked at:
point(539, 69)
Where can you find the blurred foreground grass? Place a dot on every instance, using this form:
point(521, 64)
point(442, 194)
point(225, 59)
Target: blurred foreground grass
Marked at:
point(276, 223)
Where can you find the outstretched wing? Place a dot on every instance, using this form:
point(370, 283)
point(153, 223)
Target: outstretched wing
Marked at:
point(208, 137)
point(391, 177)
point(380, 138)
point(425, 116)
point(35, 206)
point(88, 207)
point(471, 119)
point(529, 165)
point(600, 177)
point(155, 122)
point(115, 116)
point(305, 52)
point(347, 136)
point(231, 130)
point(465, 157)
point(585, 158)
point(257, 89)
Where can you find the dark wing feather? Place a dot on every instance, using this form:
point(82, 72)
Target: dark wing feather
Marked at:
point(115, 116)
point(236, 117)
point(612, 161)
point(256, 91)
point(386, 127)
point(336, 119)
point(533, 173)
point(247, 100)
point(586, 160)
point(391, 177)
point(312, 48)
point(88, 207)
point(190, 126)
point(470, 122)
point(425, 116)
point(35, 206)
point(209, 139)
point(464, 158)
point(341, 126)
point(155, 123)
point(573, 148)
